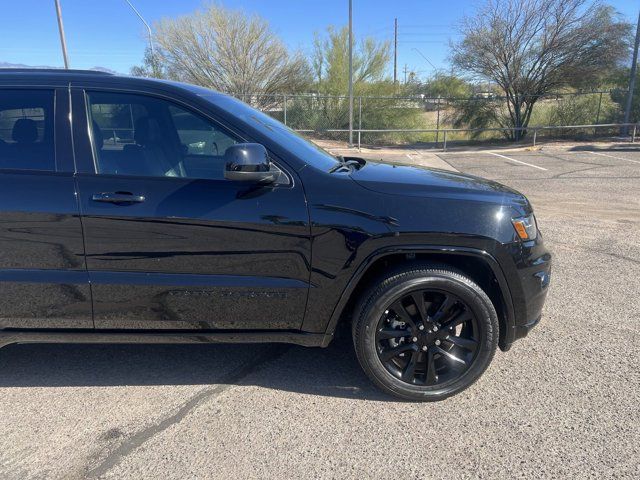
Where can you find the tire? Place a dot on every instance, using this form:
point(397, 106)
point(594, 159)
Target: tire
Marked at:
point(425, 333)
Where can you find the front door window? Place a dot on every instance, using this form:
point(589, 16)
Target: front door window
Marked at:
point(147, 136)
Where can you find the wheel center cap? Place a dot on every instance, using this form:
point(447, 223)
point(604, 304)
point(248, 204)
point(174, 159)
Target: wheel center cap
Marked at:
point(427, 334)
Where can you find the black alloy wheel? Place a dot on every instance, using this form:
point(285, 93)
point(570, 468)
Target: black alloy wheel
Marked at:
point(425, 333)
point(427, 337)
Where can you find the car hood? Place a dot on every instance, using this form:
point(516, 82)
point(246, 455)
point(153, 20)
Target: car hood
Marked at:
point(406, 180)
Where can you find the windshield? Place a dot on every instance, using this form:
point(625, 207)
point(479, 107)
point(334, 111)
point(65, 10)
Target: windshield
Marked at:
point(299, 146)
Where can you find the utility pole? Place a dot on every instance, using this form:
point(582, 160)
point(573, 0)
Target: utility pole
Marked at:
point(350, 73)
point(153, 52)
point(632, 79)
point(405, 73)
point(395, 51)
point(63, 42)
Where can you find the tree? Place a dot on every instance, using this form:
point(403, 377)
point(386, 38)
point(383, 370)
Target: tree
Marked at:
point(152, 67)
point(330, 61)
point(532, 47)
point(329, 107)
point(446, 86)
point(228, 51)
point(620, 82)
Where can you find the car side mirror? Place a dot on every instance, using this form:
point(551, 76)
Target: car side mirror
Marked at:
point(248, 162)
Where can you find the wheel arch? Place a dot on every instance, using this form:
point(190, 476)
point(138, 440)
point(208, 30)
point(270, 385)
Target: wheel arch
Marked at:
point(478, 265)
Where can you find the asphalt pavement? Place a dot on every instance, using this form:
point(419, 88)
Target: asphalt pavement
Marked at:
point(563, 403)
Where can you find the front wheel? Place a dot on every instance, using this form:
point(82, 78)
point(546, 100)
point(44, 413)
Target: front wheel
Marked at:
point(425, 333)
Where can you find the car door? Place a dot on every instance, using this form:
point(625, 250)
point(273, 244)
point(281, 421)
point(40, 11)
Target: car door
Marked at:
point(170, 243)
point(43, 280)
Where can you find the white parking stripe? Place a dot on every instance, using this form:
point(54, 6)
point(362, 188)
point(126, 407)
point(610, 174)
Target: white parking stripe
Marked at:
point(617, 158)
point(517, 161)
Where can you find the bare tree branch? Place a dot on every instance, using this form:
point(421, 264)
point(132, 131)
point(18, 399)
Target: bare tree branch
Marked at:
point(531, 47)
point(229, 51)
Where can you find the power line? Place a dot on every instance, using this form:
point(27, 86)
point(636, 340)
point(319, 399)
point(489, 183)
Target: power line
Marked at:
point(404, 42)
point(425, 58)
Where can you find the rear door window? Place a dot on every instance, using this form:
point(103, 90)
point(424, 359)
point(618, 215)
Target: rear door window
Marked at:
point(27, 130)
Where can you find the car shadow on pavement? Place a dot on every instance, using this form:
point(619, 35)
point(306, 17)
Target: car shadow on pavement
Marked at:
point(626, 147)
point(332, 371)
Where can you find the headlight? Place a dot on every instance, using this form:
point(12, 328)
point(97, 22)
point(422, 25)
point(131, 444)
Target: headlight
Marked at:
point(526, 227)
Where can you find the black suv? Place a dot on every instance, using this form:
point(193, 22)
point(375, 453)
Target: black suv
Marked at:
point(135, 210)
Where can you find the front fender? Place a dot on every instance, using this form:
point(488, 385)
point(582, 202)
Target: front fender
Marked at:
point(433, 251)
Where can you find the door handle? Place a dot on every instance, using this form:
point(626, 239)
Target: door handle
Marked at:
point(117, 197)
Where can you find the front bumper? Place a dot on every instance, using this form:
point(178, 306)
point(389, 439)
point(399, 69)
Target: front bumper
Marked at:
point(523, 330)
point(529, 276)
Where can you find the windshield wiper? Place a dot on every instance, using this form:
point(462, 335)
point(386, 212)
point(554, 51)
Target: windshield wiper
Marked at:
point(347, 163)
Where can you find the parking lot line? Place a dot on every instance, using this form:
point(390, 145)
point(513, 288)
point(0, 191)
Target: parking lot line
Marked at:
point(617, 158)
point(517, 161)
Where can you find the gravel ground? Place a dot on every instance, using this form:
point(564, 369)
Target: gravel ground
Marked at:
point(563, 403)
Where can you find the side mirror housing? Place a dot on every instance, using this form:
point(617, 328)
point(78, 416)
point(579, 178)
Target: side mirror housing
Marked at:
point(248, 162)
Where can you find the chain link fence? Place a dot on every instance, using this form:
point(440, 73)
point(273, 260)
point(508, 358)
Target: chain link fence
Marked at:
point(422, 119)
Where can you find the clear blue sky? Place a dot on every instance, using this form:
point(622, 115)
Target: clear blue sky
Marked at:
point(106, 33)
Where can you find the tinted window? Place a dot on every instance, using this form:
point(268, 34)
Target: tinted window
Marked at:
point(294, 142)
point(199, 136)
point(26, 130)
point(142, 135)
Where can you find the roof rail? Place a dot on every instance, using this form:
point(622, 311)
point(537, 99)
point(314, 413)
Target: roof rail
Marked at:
point(53, 70)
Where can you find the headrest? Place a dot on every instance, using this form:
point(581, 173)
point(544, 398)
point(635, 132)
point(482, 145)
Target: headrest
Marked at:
point(98, 138)
point(24, 131)
point(141, 132)
point(147, 131)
